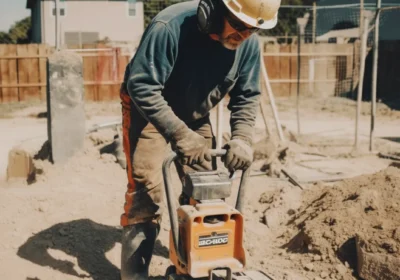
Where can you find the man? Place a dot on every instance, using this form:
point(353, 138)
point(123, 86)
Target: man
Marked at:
point(190, 56)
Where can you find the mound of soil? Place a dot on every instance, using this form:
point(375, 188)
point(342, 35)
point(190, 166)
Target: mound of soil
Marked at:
point(330, 218)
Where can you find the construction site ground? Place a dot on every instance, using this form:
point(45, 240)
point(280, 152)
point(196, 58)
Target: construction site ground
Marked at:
point(64, 223)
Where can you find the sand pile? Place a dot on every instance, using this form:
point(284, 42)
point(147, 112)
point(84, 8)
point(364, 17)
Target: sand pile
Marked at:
point(326, 226)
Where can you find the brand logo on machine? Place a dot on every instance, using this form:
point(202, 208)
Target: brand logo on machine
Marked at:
point(213, 239)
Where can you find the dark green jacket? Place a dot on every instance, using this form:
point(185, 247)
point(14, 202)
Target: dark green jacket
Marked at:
point(179, 74)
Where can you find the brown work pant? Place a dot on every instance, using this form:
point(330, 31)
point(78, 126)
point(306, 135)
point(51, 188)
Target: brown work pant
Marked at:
point(145, 150)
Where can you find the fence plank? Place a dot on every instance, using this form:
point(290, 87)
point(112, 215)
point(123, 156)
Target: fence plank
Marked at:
point(284, 73)
point(11, 94)
point(104, 73)
point(22, 71)
point(88, 74)
point(3, 73)
point(33, 72)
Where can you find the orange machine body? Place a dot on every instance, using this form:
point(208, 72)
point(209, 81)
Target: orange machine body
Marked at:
point(211, 236)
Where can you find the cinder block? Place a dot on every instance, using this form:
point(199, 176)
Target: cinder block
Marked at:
point(20, 164)
point(65, 99)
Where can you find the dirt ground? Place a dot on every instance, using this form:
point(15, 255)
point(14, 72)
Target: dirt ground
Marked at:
point(65, 224)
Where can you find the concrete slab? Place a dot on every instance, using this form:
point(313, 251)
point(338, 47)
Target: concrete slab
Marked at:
point(66, 122)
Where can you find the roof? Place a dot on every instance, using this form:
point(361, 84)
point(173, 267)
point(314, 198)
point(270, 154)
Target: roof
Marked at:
point(346, 33)
point(30, 4)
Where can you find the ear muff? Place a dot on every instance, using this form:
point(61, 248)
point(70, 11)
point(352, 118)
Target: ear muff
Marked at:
point(210, 18)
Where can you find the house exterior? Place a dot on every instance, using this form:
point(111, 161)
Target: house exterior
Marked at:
point(342, 36)
point(349, 17)
point(85, 22)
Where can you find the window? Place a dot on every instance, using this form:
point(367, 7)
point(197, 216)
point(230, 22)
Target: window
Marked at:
point(132, 8)
point(79, 38)
point(61, 8)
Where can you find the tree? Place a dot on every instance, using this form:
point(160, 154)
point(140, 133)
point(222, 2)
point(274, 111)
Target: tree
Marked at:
point(19, 33)
point(287, 23)
point(4, 38)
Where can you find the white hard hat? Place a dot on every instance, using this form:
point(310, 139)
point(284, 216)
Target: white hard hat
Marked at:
point(262, 14)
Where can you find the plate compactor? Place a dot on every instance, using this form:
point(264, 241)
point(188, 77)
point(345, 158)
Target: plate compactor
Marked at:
point(206, 236)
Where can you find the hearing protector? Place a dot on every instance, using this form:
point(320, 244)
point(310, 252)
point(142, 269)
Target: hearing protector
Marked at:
point(210, 18)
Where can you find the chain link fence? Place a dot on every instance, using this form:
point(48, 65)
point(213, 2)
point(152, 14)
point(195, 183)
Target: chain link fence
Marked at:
point(317, 58)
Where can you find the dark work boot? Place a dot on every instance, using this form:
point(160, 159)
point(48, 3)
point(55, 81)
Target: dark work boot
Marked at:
point(137, 250)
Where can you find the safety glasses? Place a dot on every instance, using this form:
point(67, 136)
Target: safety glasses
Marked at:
point(237, 24)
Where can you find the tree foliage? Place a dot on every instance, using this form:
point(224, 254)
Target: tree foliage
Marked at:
point(19, 33)
point(5, 38)
point(287, 17)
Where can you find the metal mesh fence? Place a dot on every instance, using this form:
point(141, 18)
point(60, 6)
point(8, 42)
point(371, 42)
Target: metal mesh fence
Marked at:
point(309, 67)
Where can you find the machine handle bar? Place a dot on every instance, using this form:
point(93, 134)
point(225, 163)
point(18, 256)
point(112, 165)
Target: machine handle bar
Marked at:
point(171, 199)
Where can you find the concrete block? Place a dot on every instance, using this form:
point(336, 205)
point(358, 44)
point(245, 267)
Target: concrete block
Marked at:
point(375, 266)
point(65, 99)
point(20, 164)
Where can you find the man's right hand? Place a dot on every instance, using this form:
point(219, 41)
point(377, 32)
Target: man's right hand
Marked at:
point(190, 146)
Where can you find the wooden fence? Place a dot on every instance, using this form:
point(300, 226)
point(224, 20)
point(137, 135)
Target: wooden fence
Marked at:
point(23, 72)
point(326, 69)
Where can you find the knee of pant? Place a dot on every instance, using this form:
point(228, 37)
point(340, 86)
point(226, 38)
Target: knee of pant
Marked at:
point(146, 178)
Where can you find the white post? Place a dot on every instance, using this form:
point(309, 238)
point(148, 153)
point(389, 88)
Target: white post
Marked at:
point(375, 74)
point(57, 23)
point(311, 74)
point(363, 55)
point(271, 96)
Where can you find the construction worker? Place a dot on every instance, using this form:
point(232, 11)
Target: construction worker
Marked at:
point(190, 56)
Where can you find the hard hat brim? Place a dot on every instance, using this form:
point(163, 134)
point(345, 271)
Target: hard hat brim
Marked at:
point(267, 24)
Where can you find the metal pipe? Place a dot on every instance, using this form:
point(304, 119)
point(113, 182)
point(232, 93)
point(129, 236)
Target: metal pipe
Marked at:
point(298, 79)
point(173, 216)
point(220, 119)
point(375, 73)
point(361, 17)
point(390, 8)
point(57, 27)
point(361, 77)
point(314, 21)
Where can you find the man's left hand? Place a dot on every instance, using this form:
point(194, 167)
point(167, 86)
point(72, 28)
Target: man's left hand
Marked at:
point(239, 155)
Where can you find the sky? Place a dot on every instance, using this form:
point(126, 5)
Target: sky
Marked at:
point(12, 11)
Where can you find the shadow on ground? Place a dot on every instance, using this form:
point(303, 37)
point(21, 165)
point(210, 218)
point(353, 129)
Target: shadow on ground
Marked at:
point(84, 239)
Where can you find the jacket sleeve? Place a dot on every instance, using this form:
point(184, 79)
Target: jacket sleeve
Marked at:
point(244, 97)
point(149, 70)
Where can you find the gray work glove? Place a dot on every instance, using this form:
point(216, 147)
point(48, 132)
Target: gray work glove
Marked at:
point(239, 155)
point(191, 147)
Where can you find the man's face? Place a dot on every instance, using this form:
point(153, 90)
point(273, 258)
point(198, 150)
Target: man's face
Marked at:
point(235, 32)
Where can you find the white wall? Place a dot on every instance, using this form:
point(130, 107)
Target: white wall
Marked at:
point(110, 19)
